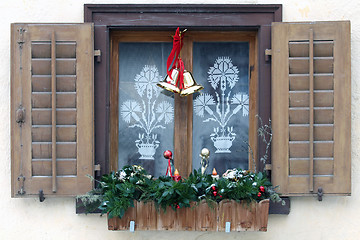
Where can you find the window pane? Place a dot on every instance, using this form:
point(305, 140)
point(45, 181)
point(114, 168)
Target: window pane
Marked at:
point(221, 111)
point(146, 114)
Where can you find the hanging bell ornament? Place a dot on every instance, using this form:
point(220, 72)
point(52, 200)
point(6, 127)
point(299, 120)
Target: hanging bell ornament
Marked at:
point(190, 86)
point(170, 83)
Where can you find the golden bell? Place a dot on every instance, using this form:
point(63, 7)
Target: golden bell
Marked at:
point(170, 83)
point(190, 86)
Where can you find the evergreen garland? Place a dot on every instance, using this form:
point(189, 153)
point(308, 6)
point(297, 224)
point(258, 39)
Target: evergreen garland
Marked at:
point(118, 191)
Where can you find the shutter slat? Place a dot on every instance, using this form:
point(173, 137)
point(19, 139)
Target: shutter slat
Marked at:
point(321, 99)
point(300, 82)
point(64, 168)
point(66, 50)
point(64, 83)
point(63, 134)
point(63, 100)
point(321, 49)
point(300, 65)
point(321, 167)
point(300, 149)
point(64, 66)
point(323, 115)
point(311, 74)
point(63, 49)
point(322, 132)
point(52, 77)
point(42, 150)
point(63, 117)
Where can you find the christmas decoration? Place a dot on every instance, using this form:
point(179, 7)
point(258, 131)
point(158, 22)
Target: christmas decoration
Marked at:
point(262, 189)
point(214, 174)
point(178, 80)
point(168, 156)
point(176, 176)
point(204, 154)
point(119, 190)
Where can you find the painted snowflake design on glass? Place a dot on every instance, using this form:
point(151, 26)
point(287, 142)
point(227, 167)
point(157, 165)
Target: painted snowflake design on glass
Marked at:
point(219, 108)
point(146, 82)
point(142, 114)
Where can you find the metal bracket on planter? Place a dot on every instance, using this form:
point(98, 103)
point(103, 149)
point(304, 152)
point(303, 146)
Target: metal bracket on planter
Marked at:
point(320, 193)
point(41, 195)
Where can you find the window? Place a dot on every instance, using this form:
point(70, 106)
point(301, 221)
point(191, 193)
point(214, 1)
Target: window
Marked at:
point(144, 114)
point(317, 53)
point(227, 19)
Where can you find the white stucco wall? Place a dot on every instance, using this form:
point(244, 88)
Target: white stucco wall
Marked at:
point(333, 218)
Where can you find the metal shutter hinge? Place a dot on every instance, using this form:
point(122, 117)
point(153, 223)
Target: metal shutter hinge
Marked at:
point(320, 194)
point(21, 179)
point(97, 169)
point(268, 53)
point(20, 40)
point(97, 54)
point(20, 115)
point(268, 167)
point(41, 195)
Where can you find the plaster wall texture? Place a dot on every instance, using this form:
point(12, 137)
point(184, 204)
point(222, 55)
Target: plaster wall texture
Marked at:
point(333, 218)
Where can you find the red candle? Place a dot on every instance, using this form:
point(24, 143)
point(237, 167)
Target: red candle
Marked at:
point(176, 176)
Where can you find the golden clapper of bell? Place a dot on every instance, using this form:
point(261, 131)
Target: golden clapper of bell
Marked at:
point(190, 86)
point(170, 83)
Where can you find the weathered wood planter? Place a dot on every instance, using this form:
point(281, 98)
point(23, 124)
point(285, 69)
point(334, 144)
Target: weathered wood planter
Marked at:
point(242, 217)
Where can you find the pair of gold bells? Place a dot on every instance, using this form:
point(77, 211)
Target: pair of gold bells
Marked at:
point(190, 86)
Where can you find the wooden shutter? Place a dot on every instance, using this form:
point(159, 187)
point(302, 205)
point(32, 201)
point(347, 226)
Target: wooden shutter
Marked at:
point(52, 119)
point(310, 107)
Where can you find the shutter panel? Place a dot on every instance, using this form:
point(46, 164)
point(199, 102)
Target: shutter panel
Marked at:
point(52, 87)
point(311, 105)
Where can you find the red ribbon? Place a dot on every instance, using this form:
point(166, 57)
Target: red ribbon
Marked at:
point(168, 170)
point(180, 80)
point(175, 52)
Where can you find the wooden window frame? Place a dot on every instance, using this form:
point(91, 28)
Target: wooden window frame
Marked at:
point(183, 120)
point(107, 17)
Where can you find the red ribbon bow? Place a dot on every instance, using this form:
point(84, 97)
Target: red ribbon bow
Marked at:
point(175, 59)
point(168, 170)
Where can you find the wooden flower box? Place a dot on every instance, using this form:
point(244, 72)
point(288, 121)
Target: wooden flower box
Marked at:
point(199, 217)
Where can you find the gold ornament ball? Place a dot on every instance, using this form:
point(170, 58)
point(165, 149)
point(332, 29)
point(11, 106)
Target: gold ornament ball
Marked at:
point(205, 152)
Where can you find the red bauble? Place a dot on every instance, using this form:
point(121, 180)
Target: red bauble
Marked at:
point(213, 188)
point(168, 154)
point(215, 193)
point(262, 189)
point(259, 194)
point(177, 206)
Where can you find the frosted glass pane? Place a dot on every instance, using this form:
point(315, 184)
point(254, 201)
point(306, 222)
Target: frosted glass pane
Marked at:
point(221, 111)
point(146, 114)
